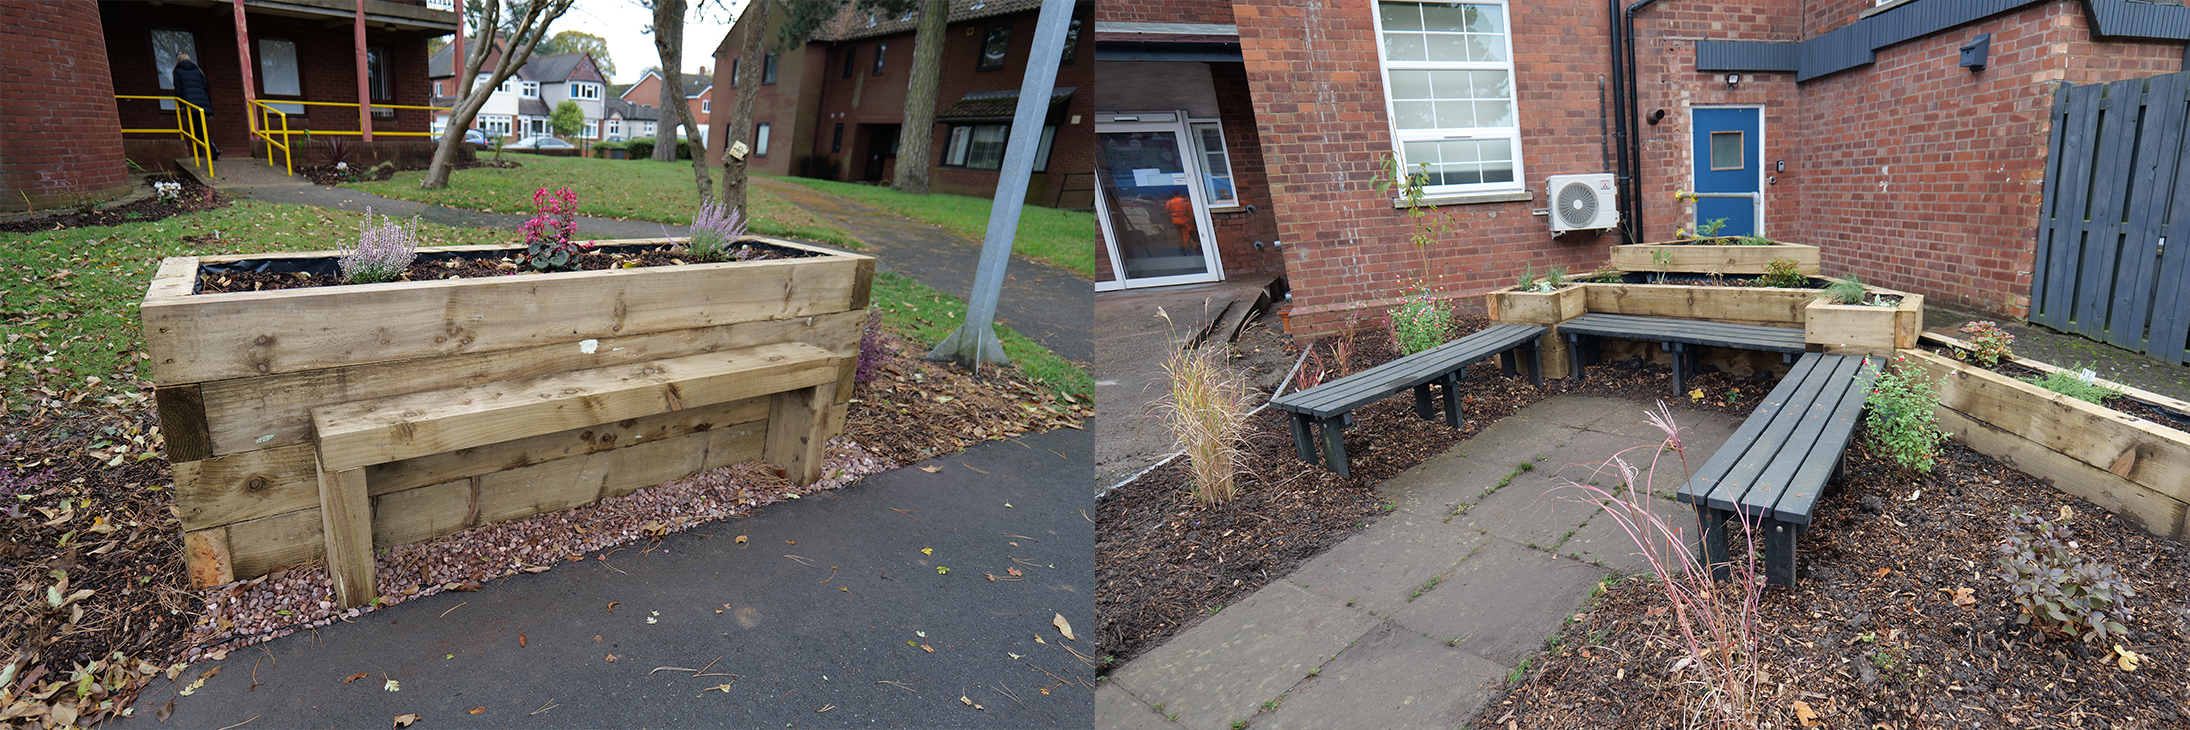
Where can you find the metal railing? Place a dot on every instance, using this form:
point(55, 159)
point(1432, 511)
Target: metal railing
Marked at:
point(189, 124)
point(267, 114)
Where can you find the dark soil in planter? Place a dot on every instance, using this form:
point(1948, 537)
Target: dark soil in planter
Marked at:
point(271, 274)
point(192, 199)
point(1164, 561)
point(1871, 635)
point(1685, 278)
point(2119, 403)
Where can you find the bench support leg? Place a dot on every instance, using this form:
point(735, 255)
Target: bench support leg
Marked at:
point(1334, 446)
point(1575, 357)
point(346, 517)
point(1304, 439)
point(798, 431)
point(1711, 526)
point(1506, 363)
point(1680, 365)
point(1535, 363)
point(1422, 398)
point(1779, 552)
point(1451, 384)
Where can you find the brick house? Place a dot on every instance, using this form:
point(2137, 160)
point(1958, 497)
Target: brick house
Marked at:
point(74, 57)
point(1854, 123)
point(523, 104)
point(699, 93)
point(833, 108)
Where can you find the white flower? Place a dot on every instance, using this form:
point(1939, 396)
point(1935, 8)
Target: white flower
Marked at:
point(342, 166)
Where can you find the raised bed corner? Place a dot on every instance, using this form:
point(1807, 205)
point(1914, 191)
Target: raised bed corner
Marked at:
point(1708, 258)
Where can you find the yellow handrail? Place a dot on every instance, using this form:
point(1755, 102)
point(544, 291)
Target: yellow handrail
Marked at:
point(198, 137)
point(267, 132)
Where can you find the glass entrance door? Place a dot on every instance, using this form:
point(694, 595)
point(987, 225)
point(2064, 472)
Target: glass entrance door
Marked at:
point(1153, 217)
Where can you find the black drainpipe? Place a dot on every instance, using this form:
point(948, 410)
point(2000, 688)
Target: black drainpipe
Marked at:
point(1633, 152)
point(1620, 115)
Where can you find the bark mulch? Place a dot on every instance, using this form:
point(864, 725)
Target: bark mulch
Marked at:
point(192, 199)
point(1879, 633)
point(2119, 403)
point(458, 267)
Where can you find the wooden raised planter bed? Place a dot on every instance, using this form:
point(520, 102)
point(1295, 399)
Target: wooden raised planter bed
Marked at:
point(2133, 467)
point(1824, 325)
point(277, 404)
point(1711, 258)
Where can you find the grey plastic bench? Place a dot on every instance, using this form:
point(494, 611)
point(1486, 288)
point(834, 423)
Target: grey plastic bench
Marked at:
point(1773, 468)
point(1329, 404)
point(1678, 336)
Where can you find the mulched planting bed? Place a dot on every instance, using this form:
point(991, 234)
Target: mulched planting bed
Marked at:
point(1164, 561)
point(1872, 636)
point(192, 199)
point(2119, 403)
point(223, 278)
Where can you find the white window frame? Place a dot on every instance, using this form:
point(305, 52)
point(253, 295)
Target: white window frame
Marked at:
point(760, 139)
point(1231, 183)
point(707, 106)
point(1510, 133)
point(583, 90)
point(592, 129)
point(615, 128)
point(530, 89)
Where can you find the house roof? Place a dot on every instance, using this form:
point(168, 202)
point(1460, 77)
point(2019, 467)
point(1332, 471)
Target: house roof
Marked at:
point(853, 24)
point(533, 108)
point(628, 110)
point(994, 105)
point(694, 84)
point(550, 69)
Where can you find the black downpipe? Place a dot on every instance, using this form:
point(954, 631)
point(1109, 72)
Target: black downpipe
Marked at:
point(1604, 135)
point(1634, 110)
point(1620, 116)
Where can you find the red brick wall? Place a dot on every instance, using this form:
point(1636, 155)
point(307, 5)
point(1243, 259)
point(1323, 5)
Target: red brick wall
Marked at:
point(61, 136)
point(1666, 79)
point(1164, 11)
point(1239, 232)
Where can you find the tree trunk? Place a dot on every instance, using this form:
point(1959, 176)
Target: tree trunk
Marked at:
point(530, 28)
point(669, 42)
point(753, 62)
point(927, 68)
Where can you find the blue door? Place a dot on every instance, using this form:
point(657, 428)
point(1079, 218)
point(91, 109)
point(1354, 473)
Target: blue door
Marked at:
point(1727, 146)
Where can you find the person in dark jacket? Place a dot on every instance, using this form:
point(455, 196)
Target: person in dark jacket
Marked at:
point(192, 86)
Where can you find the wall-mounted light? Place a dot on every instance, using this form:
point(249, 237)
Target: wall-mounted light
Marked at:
point(1732, 78)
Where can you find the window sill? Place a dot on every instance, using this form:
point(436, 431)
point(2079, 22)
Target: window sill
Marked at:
point(1496, 196)
point(1228, 209)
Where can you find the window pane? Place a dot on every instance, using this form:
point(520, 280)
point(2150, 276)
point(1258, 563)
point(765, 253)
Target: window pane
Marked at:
point(1451, 85)
point(278, 68)
point(1411, 85)
point(1414, 114)
point(1485, 19)
point(1726, 151)
point(1485, 48)
point(1444, 17)
point(1460, 151)
point(1448, 47)
point(1401, 16)
point(760, 140)
point(1041, 155)
point(1493, 114)
point(1498, 171)
point(851, 57)
point(881, 53)
point(955, 154)
point(1492, 84)
point(1495, 149)
point(1404, 46)
point(987, 150)
point(1455, 114)
point(994, 45)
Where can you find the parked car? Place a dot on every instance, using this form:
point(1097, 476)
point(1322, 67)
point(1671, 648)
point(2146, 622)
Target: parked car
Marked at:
point(471, 136)
point(539, 143)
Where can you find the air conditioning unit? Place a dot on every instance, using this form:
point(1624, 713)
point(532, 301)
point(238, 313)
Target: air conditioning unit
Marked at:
point(1582, 202)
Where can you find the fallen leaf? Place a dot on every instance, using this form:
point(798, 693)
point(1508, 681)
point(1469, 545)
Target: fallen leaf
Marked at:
point(940, 570)
point(2127, 659)
point(931, 469)
point(533, 569)
point(1883, 572)
point(741, 539)
point(392, 686)
point(927, 551)
point(1014, 656)
point(356, 677)
point(612, 659)
point(1805, 714)
point(1014, 572)
point(2067, 514)
point(1063, 627)
point(1965, 597)
point(612, 606)
point(1038, 639)
point(520, 641)
point(478, 710)
point(928, 649)
point(1696, 394)
point(403, 721)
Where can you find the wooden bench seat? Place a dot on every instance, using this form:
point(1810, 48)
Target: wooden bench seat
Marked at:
point(1774, 467)
point(1678, 336)
point(1329, 404)
point(349, 437)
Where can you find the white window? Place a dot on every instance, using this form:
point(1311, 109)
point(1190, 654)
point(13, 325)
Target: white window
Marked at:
point(592, 129)
point(532, 90)
point(585, 91)
point(1041, 154)
point(760, 140)
point(437, 89)
point(707, 106)
point(976, 146)
point(1448, 83)
point(1216, 166)
point(494, 126)
point(615, 129)
point(509, 86)
point(278, 73)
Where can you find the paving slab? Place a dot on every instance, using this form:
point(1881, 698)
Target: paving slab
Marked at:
point(1394, 678)
point(1224, 668)
point(1604, 542)
point(1372, 571)
point(1445, 481)
point(1118, 709)
point(1502, 602)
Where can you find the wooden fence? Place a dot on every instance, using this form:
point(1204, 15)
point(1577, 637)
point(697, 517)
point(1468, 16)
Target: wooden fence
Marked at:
point(2114, 178)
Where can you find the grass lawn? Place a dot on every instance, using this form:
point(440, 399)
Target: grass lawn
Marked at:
point(1065, 239)
point(627, 189)
point(924, 315)
point(68, 298)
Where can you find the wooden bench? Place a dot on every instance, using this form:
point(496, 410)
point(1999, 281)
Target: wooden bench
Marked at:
point(800, 379)
point(1678, 336)
point(1773, 468)
point(1330, 404)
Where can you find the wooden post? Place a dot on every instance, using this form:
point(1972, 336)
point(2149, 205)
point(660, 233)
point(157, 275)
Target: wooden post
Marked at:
point(243, 57)
point(346, 516)
point(798, 431)
point(364, 89)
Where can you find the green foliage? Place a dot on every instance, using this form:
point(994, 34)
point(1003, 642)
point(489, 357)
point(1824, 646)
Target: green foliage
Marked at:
point(1784, 273)
point(1607, 274)
point(1661, 257)
point(1750, 241)
point(1988, 343)
point(1065, 239)
point(642, 148)
point(571, 41)
point(2059, 591)
point(925, 316)
point(2074, 385)
point(1846, 291)
point(1901, 418)
point(567, 119)
point(1554, 278)
point(1710, 229)
point(1527, 281)
point(1421, 321)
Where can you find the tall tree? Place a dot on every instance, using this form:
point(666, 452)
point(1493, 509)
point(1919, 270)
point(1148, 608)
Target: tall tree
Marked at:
point(530, 21)
point(572, 41)
point(752, 62)
point(669, 44)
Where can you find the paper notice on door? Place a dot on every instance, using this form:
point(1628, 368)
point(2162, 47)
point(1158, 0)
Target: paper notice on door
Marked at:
point(1150, 177)
point(1179, 178)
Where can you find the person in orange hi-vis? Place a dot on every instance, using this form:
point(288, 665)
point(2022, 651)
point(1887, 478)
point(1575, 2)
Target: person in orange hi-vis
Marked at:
point(1182, 218)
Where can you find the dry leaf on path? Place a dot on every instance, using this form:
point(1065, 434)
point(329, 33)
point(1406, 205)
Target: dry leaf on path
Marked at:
point(1063, 627)
point(392, 686)
point(478, 710)
point(1883, 572)
point(931, 469)
point(611, 659)
point(356, 677)
point(741, 539)
point(403, 721)
point(1805, 714)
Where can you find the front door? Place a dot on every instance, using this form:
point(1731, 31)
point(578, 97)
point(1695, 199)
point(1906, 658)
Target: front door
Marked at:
point(881, 151)
point(1154, 219)
point(1727, 146)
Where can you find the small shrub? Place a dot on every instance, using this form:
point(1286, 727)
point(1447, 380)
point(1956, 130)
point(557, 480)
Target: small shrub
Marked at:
point(547, 236)
point(1988, 343)
point(715, 231)
point(1553, 279)
point(2074, 385)
point(1901, 418)
point(1421, 321)
point(2059, 591)
point(872, 350)
point(1783, 273)
point(169, 193)
point(1710, 229)
point(1528, 280)
point(384, 251)
point(1607, 274)
point(1752, 241)
point(1846, 291)
point(1207, 413)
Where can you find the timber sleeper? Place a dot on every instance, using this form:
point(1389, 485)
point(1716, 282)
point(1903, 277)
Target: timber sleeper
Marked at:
point(1328, 405)
point(799, 378)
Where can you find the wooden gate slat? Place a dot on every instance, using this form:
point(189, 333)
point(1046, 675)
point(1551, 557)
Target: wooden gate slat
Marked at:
point(2110, 187)
point(2159, 149)
point(2170, 321)
point(2049, 208)
point(2078, 155)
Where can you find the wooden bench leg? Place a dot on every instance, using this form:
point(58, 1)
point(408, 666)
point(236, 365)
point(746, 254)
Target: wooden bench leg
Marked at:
point(1711, 527)
point(346, 517)
point(1451, 384)
point(798, 431)
point(1304, 439)
point(1779, 552)
point(1422, 402)
point(1334, 445)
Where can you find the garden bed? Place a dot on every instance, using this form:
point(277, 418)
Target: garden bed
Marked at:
point(1832, 327)
point(1706, 257)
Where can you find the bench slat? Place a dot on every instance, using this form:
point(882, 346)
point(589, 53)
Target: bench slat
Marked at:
point(1694, 332)
point(1809, 481)
point(378, 431)
point(1351, 392)
point(1774, 440)
point(1774, 481)
point(1707, 477)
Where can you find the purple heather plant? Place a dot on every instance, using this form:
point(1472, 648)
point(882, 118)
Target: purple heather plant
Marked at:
point(15, 482)
point(547, 236)
point(384, 250)
point(871, 347)
point(715, 229)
